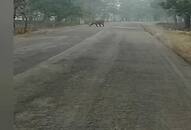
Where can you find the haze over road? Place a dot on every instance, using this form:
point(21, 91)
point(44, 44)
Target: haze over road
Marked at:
point(113, 78)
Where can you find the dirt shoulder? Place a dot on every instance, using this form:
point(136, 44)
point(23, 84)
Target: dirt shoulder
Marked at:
point(178, 41)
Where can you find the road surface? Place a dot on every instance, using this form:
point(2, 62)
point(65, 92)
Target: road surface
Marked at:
point(32, 49)
point(113, 78)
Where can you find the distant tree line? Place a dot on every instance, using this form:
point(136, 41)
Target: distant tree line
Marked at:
point(61, 11)
point(178, 8)
point(56, 12)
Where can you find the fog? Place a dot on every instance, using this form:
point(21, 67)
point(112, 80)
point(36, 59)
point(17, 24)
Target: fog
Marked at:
point(125, 10)
point(46, 13)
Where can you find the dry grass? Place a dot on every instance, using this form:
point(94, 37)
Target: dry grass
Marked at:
point(178, 41)
point(181, 43)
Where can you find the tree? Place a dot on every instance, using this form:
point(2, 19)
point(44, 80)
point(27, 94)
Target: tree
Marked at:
point(21, 8)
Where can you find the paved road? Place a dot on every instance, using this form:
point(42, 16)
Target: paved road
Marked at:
point(116, 78)
point(30, 50)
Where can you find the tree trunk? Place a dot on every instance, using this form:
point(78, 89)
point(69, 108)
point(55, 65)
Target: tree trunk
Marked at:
point(14, 21)
point(175, 20)
point(58, 19)
point(14, 25)
point(45, 18)
point(25, 23)
point(187, 21)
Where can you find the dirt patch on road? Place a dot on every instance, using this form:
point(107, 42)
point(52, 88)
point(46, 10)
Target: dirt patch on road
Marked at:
point(178, 41)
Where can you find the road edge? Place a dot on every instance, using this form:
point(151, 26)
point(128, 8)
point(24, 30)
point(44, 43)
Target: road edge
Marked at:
point(158, 34)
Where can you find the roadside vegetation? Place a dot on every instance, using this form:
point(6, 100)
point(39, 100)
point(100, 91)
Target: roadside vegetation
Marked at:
point(177, 40)
point(181, 43)
point(175, 32)
point(180, 10)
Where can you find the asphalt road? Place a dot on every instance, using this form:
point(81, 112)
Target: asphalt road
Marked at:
point(32, 49)
point(113, 78)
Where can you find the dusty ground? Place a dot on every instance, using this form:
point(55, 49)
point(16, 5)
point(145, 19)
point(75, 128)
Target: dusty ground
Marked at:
point(117, 78)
